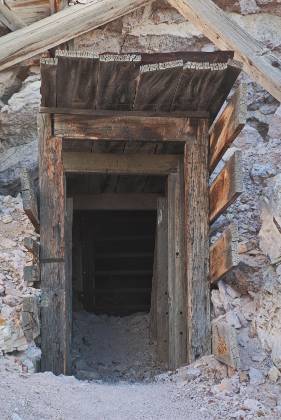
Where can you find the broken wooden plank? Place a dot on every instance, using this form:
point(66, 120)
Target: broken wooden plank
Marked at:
point(61, 27)
point(227, 126)
point(259, 61)
point(32, 246)
point(227, 186)
point(197, 250)
point(224, 254)
point(224, 343)
point(119, 164)
point(31, 274)
point(29, 198)
point(125, 128)
point(9, 18)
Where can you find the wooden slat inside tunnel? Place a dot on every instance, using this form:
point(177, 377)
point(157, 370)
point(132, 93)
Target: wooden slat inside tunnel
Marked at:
point(117, 260)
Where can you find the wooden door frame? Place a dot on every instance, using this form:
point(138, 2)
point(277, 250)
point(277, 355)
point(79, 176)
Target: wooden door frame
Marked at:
point(189, 318)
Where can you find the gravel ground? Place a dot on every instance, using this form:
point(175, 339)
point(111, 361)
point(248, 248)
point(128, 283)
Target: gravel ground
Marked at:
point(45, 396)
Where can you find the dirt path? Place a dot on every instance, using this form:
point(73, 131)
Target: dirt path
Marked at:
point(44, 396)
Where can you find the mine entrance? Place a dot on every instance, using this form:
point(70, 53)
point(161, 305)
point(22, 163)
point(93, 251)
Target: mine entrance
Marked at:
point(113, 252)
point(116, 262)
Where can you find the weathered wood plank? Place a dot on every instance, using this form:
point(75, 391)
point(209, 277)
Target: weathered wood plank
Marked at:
point(227, 186)
point(61, 27)
point(227, 126)
point(53, 254)
point(29, 198)
point(259, 61)
point(77, 78)
point(68, 285)
point(31, 274)
point(197, 244)
point(51, 191)
point(119, 164)
point(127, 128)
point(116, 201)
point(9, 18)
point(162, 306)
point(117, 113)
point(176, 272)
point(32, 246)
point(224, 254)
point(48, 89)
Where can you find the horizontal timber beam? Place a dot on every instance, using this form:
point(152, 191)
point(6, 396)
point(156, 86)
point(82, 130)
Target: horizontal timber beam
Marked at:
point(61, 27)
point(124, 128)
point(258, 61)
point(224, 253)
point(116, 201)
point(227, 186)
point(227, 126)
point(87, 162)
point(117, 113)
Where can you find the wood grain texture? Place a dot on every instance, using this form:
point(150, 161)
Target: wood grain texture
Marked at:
point(176, 272)
point(48, 89)
point(9, 18)
point(162, 305)
point(125, 128)
point(119, 164)
point(29, 198)
point(197, 244)
point(224, 253)
point(227, 126)
point(259, 61)
point(61, 27)
point(51, 185)
point(32, 246)
point(227, 186)
point(76, 82)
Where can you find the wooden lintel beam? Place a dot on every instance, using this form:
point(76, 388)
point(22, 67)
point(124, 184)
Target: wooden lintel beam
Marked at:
point(227, 186)
point(124, 128)
point(227, 126)
point(116, 201)
point(258, 61)
point(87, 162)
point(61, 27)
point(224, 254)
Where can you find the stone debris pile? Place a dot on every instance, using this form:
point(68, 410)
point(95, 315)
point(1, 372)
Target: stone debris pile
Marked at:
point(19, 304)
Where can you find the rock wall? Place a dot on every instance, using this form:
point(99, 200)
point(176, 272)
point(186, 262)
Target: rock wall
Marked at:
point(249, 298)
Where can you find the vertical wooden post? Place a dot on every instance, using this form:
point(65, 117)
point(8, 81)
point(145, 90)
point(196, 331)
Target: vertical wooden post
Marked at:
point(54, 310)
point(68, 283)
point(197, 243)
point(176, 271)
point(161, 256)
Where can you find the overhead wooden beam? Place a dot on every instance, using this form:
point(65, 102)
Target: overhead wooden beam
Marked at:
point(116, 201)
point(227, 126)
point(61, 27)
point(125, 128)
point(227, 186)
point(9, 18)
point(88, 162)
point(29, 198)
point(259, 62)
point(224, 254)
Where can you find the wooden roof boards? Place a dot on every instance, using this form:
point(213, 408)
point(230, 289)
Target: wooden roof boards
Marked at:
point(174, 82)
